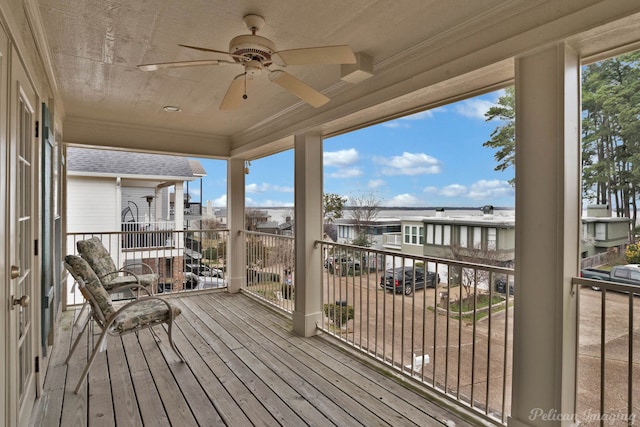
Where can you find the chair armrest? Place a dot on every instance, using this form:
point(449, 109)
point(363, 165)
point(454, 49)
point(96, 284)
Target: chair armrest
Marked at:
point(138, 301)
point(147, 266)
point(132, 286)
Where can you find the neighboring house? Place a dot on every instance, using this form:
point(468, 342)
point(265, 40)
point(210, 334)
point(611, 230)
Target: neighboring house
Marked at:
point(270, 227)
point(221, 216)
point(490, 238)
point(602, 233)
point(374, 229)
point(255, 217)
point(117, 191)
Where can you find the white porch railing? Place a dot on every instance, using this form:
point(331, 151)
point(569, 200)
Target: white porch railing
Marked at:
point(270, 269)
point(184, 260)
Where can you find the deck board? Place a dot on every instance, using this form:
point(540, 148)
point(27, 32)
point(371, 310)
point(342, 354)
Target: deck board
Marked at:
point(244, 367)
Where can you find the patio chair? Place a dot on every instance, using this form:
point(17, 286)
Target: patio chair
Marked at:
point(141, 313)
point(94, 252)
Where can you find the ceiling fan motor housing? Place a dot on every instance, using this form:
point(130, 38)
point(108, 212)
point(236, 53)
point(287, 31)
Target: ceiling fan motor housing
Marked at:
point(253, 48)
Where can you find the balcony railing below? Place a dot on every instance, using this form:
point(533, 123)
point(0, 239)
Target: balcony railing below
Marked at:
point(184, 260)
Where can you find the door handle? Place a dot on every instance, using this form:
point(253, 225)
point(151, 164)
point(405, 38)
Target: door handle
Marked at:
point(22, 302)
point(15, 271)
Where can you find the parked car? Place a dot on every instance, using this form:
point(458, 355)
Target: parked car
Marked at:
point(407, 279)
point(198, 269)
point(627, 274)
point(501, 285)
point(342, 265)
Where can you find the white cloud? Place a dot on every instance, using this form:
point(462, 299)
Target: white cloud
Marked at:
point(404, 200)
point(474, 108)
point(376, 183)
point(453, 190)
point(346, 173)
point(220, 202)
point(265, 187)
point(273, 203)
point(481, 190)
point(431, 190)
point(409, 164)
point(402, 121)
point(341, 158)
point(493, 189)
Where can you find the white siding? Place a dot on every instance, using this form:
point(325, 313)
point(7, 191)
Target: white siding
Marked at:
point(92, 205)
point(135, 197)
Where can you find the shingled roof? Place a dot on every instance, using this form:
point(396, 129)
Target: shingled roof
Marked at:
point(108, 162)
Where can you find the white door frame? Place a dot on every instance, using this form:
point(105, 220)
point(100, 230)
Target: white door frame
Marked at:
point(19, 243)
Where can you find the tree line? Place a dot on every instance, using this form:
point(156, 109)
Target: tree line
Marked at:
point(610, 133)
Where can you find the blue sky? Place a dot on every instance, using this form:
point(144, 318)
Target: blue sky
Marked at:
point(430, 159)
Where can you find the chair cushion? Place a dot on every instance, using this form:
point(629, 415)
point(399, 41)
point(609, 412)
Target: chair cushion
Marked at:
point(92, 284)
point(143, 313)
point(93, 251)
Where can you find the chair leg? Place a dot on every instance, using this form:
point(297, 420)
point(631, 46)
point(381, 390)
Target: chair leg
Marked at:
point(84, 307)
point(77, 341)
point(173, 345)
point(96, 350)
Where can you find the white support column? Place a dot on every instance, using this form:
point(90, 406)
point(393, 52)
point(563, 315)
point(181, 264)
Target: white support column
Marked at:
point(236, 258)
point(178, 213)
point(308, 229)
point(157, 202)
point(548, 217)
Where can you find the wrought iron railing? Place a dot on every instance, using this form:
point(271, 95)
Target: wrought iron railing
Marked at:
point(270, 269)
point(444, 323)
point(608, 360)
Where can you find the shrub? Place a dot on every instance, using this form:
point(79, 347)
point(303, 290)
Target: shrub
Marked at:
point(339, 313)
point(632, 254)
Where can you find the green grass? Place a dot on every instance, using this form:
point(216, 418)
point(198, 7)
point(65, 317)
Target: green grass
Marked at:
point(482, 301)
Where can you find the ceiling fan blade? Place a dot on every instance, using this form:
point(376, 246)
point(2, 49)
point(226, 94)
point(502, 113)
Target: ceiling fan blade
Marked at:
point(236, 92)
point(315, 55)
point(204, 49)
point(180, 64)
point(298, 88)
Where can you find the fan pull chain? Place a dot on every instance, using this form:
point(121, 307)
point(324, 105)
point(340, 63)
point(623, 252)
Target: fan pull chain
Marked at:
point(244, 95)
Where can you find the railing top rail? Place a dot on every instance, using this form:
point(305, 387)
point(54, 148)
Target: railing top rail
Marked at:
point(423, 258)
point(260, 233)
point(198, 230)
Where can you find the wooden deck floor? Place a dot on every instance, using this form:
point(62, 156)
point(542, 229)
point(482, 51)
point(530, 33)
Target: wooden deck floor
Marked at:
point(244, 367)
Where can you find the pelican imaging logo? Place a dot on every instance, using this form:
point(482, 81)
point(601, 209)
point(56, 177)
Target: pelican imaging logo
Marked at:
point(587, 416)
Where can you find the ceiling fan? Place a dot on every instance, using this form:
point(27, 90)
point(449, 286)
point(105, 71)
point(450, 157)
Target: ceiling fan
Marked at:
point(257, 54)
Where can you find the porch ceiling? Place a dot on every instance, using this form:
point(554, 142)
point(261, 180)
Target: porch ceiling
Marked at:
point(424, 52)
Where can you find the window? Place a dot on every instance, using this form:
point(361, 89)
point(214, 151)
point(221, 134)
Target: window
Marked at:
point(491, 238)
point(463, 236)
point(438, 236)
point(446, 235)
point(477, 237)
point(413, 235)
point(601, 231)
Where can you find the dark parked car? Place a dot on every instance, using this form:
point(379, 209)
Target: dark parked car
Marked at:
point(501, 285)
point(401, 279)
